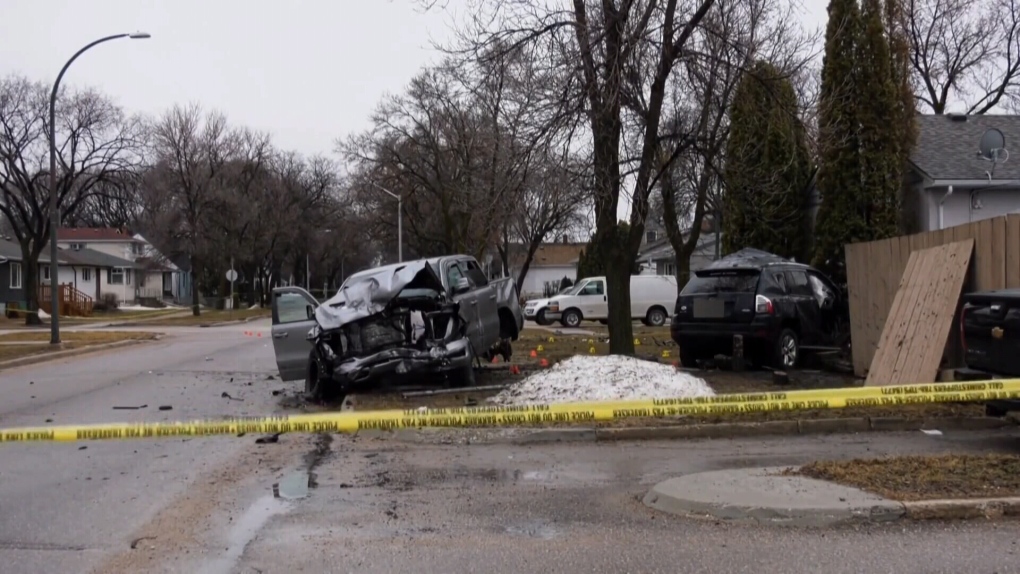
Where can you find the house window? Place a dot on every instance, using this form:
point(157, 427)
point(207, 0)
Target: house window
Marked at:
point(86, 274)
point(44, 270)
point(651, 235)
point(115, 276)
point(15, 275)
point(137, 249)
point(77, 246)
point(669, 269)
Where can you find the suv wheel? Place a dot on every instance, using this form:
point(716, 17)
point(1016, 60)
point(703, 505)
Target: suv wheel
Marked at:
point(787, 350)
point(571, 318)
point(541, 320)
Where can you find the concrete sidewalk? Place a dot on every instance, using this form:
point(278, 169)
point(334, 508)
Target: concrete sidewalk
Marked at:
point(765, 496)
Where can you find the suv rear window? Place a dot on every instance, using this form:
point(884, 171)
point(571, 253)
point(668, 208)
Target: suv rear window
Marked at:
point(722, 282)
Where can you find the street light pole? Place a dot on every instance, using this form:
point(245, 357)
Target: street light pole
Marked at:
point(400, 219)
point(54, 213)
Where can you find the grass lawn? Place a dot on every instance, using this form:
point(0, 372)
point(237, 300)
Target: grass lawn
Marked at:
point(911, 478)
point(209, 317)
point(29, 343)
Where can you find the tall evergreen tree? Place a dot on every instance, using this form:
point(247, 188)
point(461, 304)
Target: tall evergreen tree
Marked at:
point(768, 167)
point(905, 110)
point(841, 215)
point(879, 101)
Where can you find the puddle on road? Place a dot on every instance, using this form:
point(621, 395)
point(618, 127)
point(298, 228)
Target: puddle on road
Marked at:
point(243, 531)
point(538, 530)
point(294, 486)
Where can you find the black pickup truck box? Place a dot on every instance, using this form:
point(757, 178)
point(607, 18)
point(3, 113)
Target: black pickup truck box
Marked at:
point(990, 334)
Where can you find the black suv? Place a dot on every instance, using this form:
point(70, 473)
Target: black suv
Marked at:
point(779, 307)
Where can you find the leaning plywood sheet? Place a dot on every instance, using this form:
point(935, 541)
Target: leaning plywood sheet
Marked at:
point(914, 337)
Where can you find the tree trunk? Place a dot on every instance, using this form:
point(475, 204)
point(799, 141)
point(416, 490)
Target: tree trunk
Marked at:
point(30, 285)
point(621, 330)
point(195, 310)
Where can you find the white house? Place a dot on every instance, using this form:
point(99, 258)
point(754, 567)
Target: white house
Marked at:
point(950, 183)
point(550, 264)
point(130, 266)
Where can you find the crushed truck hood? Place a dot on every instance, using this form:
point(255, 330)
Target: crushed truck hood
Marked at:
point(370, 292)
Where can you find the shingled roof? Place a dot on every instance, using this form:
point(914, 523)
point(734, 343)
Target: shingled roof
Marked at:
point(947, 147)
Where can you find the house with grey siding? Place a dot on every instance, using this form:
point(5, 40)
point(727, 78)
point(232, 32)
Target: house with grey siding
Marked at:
point(949, 183)
point(12, 273)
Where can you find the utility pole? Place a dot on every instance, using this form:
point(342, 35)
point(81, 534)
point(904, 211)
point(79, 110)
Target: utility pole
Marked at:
point(400, 219)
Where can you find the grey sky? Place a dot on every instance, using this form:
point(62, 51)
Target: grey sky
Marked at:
point(306, 71)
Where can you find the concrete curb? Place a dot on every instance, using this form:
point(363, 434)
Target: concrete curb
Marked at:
point(45, 357)
point(962, 509)
point(794, 427)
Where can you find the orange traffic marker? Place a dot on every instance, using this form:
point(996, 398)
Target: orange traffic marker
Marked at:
point(259, 334)
point(533, 354)
point(543, 363)
point(495, 360)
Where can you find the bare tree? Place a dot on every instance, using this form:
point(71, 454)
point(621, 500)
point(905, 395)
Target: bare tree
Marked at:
point(96, 148)
point(729, 41)
point(192, 153)
point(965, 52)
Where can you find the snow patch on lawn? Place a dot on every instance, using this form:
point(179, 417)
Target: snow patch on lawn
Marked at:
point(603, 378)
point(140, 308)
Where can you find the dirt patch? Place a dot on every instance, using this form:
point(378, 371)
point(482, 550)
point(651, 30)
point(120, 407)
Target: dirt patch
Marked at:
point(211, 317)
point(655, 343)
point(32, 343)
point(911, 478)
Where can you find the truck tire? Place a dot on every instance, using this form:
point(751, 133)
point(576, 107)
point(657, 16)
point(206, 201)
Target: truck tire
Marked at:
point(465, 376)
point(319, 387)
point(571, 318)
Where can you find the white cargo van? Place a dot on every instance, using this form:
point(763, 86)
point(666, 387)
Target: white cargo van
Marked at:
point(651, 297)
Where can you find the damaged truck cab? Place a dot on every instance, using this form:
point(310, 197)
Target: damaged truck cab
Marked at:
point(402, 321)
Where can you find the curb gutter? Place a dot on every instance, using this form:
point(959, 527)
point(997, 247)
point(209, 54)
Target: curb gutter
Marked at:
point(523, 435)
point(961, 509)
point(45, 357)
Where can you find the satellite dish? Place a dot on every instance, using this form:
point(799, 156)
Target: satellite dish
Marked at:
point(993, 146)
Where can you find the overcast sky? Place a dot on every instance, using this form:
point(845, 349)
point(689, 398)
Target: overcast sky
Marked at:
point(306, 71)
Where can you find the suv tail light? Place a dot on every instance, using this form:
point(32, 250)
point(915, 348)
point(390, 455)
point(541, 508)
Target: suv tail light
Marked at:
point(763, 305)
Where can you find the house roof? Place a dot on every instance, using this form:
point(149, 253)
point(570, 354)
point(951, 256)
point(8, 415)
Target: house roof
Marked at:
point(11, 251)
point(548, 254)
point(151, 264)
point(947, 147)
point(94, 234)
point(92, 258)
point(664, 249)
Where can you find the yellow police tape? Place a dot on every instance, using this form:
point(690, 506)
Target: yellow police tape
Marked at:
point(495, 416)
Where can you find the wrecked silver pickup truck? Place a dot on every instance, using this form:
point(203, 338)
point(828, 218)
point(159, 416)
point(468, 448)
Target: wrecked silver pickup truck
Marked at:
point(401, 321)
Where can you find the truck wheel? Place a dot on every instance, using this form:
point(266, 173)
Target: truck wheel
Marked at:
point(656, 317)
point(787, 350)
point(465, 376)
point(541, 320)
point(571, 318)
point(319, 387)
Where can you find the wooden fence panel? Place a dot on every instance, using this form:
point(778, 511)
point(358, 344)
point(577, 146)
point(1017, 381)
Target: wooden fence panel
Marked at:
point(874, 270)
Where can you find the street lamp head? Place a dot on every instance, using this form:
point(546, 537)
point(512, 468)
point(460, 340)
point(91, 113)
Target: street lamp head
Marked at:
point(139, 36)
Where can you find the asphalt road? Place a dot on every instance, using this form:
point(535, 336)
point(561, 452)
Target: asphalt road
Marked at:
point(450, 502)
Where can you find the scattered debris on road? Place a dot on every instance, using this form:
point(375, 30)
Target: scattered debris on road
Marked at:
point(136, 541)
point(226, 395)
point(166, 408)
point(269, 439)
point(128, 408)
point(603, 378)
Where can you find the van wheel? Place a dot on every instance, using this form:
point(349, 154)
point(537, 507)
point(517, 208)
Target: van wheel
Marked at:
point(571, 318)
point(787, 351)
point(656, 317)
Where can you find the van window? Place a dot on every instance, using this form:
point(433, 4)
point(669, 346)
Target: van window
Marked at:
point(593, 288)
point(722, 282)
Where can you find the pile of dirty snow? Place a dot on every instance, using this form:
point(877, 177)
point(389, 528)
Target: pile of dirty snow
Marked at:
point(603, 378)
